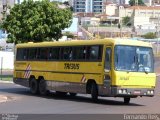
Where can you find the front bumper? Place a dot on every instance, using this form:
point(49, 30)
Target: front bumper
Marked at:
point(126, 92)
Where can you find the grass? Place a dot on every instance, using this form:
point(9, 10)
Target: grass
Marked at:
point(6, 77)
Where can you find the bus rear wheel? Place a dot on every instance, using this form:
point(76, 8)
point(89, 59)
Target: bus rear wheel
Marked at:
point(33, 84)
point(94, 92)
point(43, 87)
point(126, 100)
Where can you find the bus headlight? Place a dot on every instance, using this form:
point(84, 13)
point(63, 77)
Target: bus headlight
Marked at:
point(124, 91)
point(152, 92)
point(148, 92)
point(120, 91)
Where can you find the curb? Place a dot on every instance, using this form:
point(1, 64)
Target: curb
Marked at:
point(1, 81)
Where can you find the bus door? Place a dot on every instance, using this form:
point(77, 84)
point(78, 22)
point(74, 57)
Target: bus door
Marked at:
point(107, 70)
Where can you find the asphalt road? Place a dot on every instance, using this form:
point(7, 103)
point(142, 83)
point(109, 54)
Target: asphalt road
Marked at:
point(21, 101)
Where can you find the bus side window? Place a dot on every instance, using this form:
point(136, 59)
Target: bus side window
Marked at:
point(67, 53)
point(25, 54)
point(32, 54)
point(94, 52)
point(54, 53)
point(79, 53)
point(19, 55)
point(43, 53)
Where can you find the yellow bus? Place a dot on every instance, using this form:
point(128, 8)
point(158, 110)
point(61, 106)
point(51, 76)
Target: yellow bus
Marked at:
point(109, 67)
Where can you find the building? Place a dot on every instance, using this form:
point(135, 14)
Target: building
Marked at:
point(110, 8)
point(97, 6)
point(126, 2)
point(144, 19)
point(153, 13)
point(70, 2)
point(156, 1)
point(88, 6)
point(3, 6)
point(59, 0)
point(122, 2)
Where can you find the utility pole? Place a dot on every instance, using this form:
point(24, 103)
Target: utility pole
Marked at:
point(157, 31)
point(121, 28)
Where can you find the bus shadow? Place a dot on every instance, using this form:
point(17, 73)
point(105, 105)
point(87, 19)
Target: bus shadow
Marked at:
point(52, 95)
point(18, 91)
point(86, 99)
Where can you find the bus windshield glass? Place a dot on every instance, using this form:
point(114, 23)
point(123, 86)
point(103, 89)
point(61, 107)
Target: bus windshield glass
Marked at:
point(133, 58)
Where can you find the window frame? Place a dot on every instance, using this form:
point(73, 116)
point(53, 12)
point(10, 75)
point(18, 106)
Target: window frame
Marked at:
point(61, 57)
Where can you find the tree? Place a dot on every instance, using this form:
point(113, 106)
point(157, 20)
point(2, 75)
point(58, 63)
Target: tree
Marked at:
point(36, 21)
point(149, 35)
point(69, 35)
point(66, 3)
point(133, 2)
point(126, 21)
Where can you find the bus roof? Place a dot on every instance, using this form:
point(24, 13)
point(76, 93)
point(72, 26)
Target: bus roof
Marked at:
point(108, 41)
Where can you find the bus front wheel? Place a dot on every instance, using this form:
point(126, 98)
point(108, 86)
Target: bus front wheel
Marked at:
point(126, 100)
point(43, 87)
point(94, 92)
point(33, 86)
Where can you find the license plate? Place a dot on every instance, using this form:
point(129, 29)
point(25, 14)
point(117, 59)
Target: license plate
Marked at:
point(137, 92)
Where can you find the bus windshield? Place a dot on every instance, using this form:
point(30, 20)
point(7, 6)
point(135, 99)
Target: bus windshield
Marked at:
point(133, 58)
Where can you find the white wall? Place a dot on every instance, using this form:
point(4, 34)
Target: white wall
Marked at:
point(74, 26)
point(110, 9)
point(8, 60)
point(141, 21)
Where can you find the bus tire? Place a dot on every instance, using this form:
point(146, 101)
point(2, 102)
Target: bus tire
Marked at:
point(33, 84)
point(72, 94)
point(126, 100)
point(94, 92)
point(43, 87)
